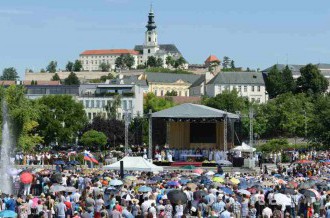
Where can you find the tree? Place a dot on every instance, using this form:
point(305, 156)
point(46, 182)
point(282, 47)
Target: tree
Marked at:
point(42, 70)
point(128, 61)
point(232, 65)
point(159, 62)
point(120, 62)
point(56, 77)
point(77, 67)
point(9, 74)
point(108, 77)
point(274, 82)
point(23, 114)
point(62, 118)
point(152, 61)
point(319, 130)
point(171, 93)
point(104, 67)
point(288, 81)
point(226, 62)
point(112, 108)
point(180, 62)
point(72, 79)
point(156, 103)
point(94, 139)
point(311, 80)
point(52, 66)
point(69, 66)
point(228, 101)
point(170, 61)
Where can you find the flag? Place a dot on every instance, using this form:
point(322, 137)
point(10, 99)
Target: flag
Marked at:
point(90, 157)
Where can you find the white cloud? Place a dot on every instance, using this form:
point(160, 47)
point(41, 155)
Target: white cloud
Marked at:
point(14, 12)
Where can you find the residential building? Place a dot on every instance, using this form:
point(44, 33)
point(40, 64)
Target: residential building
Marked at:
point(91, 59)
point(161, 83)
point(96, 97)
point(37, 91)
point(248, 84)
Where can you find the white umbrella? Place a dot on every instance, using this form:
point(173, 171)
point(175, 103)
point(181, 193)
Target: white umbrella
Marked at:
point(210, 173)
point(243, 191)
point(282, 199)
point(115, 182)
point(57, 188)
point(224, 162)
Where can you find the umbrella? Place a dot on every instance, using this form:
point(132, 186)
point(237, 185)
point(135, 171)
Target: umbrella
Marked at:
point(56, 178)
point(59, 162)
point(224, 162)
point(26, 178)
point(210, 173)
point(157, 178)
point(192, 186)
point(151, 182)
point(111, 190)
point(177, 196)
point(115, 182)
point(267, 183)
point(252, 190)
point(73, 162)
point(13, 171)
point(277, 175)
point(281, 181)
point(304, 162)
point(184, 181)
point(132, 178)
point(139, 182)
point(198, 171)
point(289, 191)
point(173, 183)
point(45, 172)
point(242, 191)
point(8, 213)
point(282, 199)
point(235, 181)
point(145, 189)
point(310, 193)
point(70, 189)
point(218, 179)
point(227, 190)
point(292, 184)
point(57, 188)
point(199, 194)
point(189, 167)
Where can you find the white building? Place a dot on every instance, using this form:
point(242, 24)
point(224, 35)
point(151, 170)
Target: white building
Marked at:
point(248, 84)
point(91, 59)
point(95, 98)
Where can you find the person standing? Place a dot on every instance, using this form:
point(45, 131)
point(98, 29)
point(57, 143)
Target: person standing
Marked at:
point(60, 209)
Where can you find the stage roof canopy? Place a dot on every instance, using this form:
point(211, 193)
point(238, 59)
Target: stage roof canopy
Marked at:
point(192, 111)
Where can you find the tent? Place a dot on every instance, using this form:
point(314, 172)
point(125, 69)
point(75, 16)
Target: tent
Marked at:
point(134, 164)
point(244, 148)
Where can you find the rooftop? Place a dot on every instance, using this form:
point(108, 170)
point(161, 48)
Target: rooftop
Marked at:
point(238, 78)
point(212, 58)
point(110, 52)
point(171, 77)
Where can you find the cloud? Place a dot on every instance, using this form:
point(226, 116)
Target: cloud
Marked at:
point(14, 12)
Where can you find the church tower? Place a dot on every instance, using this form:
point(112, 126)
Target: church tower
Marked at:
point(150, 43)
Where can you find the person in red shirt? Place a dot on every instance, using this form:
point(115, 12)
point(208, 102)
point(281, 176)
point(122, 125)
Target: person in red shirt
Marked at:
point(118, 207)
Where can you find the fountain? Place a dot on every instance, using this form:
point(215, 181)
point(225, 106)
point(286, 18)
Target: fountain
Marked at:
point(6, 147)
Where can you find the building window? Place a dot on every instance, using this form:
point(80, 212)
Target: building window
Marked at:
point(103, 103)
point(258, 100)
point(156, 92)
point(149, 39)
point(92, 103)
point(252, 88)
point(252, 99)
point(186, 94)
point(148, 51)
point(90, 116)
point(239, 88)
point(161, 93)
point(258, 89)
point(180, 93)
point(124, 105)
point(98, 103)
point(130, 104)
point(87, 103)
point(94, 115)
point(245, 88)
point(86, 62)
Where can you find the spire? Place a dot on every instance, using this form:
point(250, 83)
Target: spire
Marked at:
point(151, 22)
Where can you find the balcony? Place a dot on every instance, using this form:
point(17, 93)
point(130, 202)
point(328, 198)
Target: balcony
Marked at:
point(109, 94)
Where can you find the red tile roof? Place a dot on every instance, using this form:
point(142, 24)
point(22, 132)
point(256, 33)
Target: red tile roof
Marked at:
point(110, 52)
point(212, 58)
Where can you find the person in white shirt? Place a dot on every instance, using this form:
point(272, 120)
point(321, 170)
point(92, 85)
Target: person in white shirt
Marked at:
point(267, 212)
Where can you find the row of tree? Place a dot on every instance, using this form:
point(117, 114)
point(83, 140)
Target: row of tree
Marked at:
point(311, 81)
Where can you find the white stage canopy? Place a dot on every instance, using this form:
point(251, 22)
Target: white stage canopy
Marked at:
point(244, 148)
point(134, 164)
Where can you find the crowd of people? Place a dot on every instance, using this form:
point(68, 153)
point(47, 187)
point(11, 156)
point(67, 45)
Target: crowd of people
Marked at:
point(298, 190)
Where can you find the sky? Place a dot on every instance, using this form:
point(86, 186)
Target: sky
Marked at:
point(255, 33)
